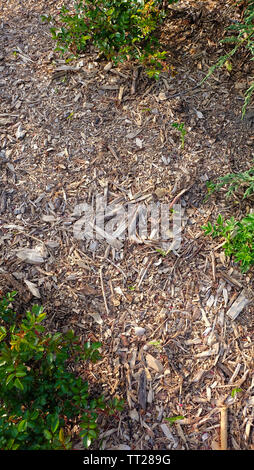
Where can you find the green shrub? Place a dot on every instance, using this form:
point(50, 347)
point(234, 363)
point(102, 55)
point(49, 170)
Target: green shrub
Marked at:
point(119, 29)
point(239, 238)
point(40, 398)
point(243, 36)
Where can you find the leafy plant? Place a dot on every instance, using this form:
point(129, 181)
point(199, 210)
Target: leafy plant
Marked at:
point(235, 182)
point(243, 36)
point(239, 238)
point(182, 130)
point(119, 29)
point(40, 397)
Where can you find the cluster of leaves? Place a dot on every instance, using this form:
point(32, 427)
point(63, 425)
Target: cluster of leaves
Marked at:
point(239, 238)
point(39, 397)
point(119, 29)
point(243, 36)
point(235, 182)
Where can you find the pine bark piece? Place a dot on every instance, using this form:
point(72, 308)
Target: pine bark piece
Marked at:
point(238, 306)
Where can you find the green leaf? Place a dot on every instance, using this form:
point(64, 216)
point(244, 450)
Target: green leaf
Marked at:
point(34, 415)
point(235, 391)
point(22, 426)
point(20, 374)
point(174, 419)
point(9, 378)
point(54, 423)
point(87, 442)
point(47, 434)
point(2, 332)
point(61, 435)
point(18, 384)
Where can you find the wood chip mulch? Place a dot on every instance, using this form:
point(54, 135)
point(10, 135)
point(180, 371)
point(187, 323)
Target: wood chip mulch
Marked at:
point(174, 340)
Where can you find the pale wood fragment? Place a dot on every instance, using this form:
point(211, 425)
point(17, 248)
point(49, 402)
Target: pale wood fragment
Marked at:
point(223, 427)
point(238, 306)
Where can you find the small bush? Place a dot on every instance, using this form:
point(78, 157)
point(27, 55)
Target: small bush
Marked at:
point(119, 29)
point(40, 398)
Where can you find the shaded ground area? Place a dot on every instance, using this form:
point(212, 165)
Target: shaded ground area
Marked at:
point(71, 132)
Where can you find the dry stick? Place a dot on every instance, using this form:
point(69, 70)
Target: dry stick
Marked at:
point(213, 266)
point(223, 427)
point(30, 236)
point(103, 291)
point(113, 152)
point(134, 80)
point(120, 94)
point(117, 267)
point(179, 195)
point(164, 321)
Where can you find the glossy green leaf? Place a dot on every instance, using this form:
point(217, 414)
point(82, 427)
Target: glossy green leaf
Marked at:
point(22, 426)
point(47, 434)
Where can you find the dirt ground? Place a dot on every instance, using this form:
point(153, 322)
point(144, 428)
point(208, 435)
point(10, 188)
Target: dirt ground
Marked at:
point(69, 132)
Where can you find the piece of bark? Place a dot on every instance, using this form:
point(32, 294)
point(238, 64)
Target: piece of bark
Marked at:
point(30, 256)
point(238, 306)
point(33, 289)
point(154, 363)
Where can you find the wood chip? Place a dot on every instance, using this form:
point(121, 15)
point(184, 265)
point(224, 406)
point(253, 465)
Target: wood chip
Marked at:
point(153, 363)
point(33, 289)
point(133, 414)
point(237, 307)
point(169, 435)
point(30, 256)
point(96, 317)
point(139, 331)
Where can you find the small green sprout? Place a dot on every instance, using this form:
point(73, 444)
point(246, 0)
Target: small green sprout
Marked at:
point(156, 344)
point(235, 391)
point(182, 130)
point(162, 252)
